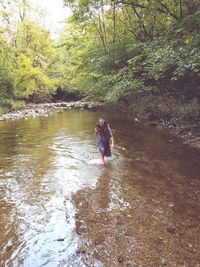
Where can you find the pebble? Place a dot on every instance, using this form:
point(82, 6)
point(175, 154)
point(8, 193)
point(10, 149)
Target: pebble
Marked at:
point(171, 230)
point(163, 262)
point(80, 250)
point(44, 110)
point(120, 259)
point(60, 239)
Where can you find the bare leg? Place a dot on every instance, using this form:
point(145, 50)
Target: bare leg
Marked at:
point(102, 161)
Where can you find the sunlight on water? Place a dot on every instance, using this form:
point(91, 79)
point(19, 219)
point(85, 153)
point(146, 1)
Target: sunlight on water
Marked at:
point(45, 165)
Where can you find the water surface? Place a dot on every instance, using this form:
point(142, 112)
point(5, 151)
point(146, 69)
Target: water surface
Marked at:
point(57, 209)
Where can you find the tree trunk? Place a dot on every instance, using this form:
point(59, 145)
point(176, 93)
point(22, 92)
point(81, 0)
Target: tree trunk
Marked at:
point(114, 21)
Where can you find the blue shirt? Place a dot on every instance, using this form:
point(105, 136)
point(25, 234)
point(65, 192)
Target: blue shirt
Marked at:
point(105, 135)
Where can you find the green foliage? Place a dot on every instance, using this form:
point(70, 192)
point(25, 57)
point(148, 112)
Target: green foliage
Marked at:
point(8, 104)
point(122, 89)
point(30, 79)
point(190, 112)
point(29, 68)
point(135, 48)
point(111, 51)
point(6, 71)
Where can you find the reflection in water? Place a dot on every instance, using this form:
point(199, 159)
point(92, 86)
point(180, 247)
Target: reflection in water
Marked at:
point(141, 209)
point(43, 162)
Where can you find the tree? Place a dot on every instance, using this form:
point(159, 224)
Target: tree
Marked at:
point(29, 55)
point(143, 46)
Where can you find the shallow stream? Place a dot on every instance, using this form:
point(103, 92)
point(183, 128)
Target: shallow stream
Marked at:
point(58, 208)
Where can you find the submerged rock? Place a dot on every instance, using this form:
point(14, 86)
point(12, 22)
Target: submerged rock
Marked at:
point(120, 259)
point(81, 250)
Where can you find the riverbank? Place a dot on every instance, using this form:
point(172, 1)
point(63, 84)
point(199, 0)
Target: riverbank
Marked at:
point(46, 109)
point(183, 123)
point(189, 135)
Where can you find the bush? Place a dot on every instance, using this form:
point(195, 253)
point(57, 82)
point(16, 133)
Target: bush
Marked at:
point(190, 112)
point(10, 104)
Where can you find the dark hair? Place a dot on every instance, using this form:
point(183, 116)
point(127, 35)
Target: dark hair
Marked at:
point(101, 125)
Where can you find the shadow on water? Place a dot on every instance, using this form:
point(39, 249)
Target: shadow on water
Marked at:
point(141, 209)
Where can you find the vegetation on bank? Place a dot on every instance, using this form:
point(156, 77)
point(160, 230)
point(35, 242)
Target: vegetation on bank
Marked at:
point(143, 55)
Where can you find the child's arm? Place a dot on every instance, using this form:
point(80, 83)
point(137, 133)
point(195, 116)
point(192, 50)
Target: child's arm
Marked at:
point(111, 137)
point(112, 141)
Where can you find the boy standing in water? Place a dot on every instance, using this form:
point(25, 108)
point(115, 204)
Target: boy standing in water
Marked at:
point(104, 137)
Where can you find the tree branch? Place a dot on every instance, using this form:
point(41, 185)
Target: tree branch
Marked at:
point(164, 10)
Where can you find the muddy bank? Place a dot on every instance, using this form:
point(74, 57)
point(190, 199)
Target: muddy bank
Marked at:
point(46, 109)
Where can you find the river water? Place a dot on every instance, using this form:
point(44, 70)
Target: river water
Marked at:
point(59, 208)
